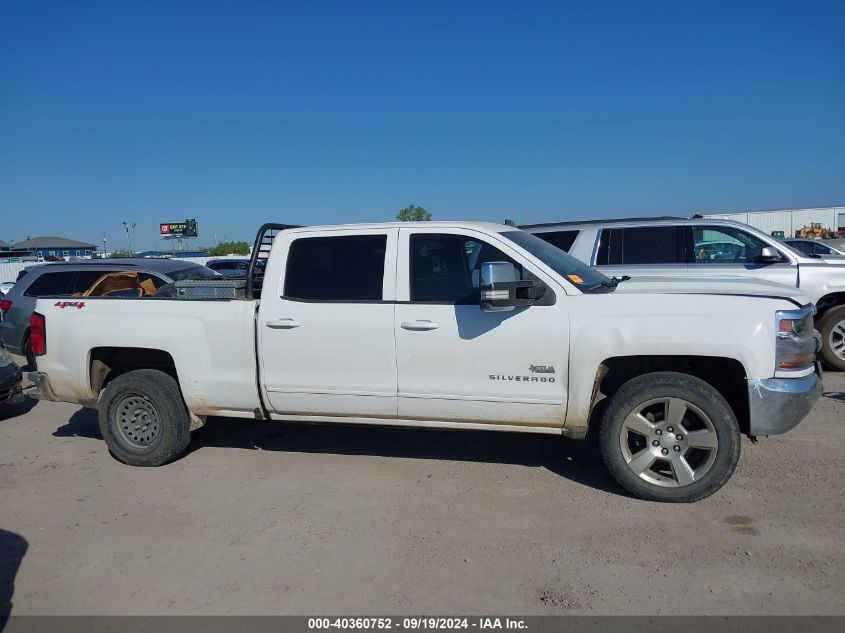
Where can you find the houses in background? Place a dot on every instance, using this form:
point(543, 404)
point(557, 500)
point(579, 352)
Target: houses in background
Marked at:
point(44, 247)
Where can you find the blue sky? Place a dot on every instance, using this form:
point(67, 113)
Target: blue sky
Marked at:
point(238, 113)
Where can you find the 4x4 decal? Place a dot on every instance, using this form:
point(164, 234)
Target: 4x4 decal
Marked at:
point(70, 304)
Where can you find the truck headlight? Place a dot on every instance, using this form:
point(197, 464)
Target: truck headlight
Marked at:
point(797, 341)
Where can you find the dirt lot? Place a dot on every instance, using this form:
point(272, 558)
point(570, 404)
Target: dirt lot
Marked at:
point(272, 518)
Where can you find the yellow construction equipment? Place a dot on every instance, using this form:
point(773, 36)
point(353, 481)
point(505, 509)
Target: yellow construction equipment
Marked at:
point(813, 231)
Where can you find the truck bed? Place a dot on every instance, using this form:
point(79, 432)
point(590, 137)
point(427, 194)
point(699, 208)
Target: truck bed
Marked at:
point(213, 350)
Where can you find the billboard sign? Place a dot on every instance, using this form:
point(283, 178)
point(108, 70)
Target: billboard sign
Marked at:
point(188, 228)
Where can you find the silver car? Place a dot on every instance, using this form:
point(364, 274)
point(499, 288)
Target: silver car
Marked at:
point(814, 248)
point(64, 279)
point(695, 246)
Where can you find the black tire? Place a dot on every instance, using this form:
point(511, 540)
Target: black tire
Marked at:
point(143, 418)
point(704, 407)
point(825, 326)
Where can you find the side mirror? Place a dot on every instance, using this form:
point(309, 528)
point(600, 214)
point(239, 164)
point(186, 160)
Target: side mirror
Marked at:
point(501, 291)
point(768, 255)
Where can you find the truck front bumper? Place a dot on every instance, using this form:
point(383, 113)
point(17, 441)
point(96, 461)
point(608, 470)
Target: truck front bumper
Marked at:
point(777, 405)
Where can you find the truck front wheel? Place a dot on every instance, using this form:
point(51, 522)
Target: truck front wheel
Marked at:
point(669, 437)
point(143, 418)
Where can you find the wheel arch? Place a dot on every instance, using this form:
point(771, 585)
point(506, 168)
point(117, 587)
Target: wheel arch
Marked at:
point(829, 301)
point(726, 375)
point(107, 363)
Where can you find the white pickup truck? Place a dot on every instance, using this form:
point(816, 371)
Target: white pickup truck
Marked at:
point(448, 325)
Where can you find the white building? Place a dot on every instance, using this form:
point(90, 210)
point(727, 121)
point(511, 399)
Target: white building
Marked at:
point(788, 220)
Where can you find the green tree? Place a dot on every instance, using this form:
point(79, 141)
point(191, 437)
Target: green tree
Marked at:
point(413, 213)
point(120, 254)
point(229, 248)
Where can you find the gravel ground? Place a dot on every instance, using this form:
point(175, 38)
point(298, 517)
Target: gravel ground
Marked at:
point(273, 518)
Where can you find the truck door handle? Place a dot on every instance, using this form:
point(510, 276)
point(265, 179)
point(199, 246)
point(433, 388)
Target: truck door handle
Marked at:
point(420, 326)
point(283, 324)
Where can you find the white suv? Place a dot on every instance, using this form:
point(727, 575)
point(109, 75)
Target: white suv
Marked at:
point(702, 247)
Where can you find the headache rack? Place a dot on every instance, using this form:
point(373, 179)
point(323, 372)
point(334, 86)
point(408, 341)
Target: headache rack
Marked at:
point(260, 253)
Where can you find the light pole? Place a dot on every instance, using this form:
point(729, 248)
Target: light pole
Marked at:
point(129, 226)
point(104, 245)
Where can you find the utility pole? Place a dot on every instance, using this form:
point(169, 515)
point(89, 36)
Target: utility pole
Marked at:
point(129, 226)
point(104, 245)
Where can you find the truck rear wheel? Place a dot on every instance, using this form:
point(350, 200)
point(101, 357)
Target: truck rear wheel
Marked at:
point(831, 326)
point(669, 437)
point(143, 418)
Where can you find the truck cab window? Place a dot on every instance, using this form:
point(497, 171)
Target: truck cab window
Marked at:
point(343, 268)
point(51, 284)
point(447, 268)
point(726, 245)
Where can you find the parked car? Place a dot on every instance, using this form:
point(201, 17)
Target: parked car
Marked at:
point(10, 379)
point(6, 286)
point(815, 248)
point(65, 279)
point(678, 247)
point(230, 267)
point(448, 325)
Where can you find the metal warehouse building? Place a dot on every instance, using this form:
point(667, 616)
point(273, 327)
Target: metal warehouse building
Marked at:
point(788, 220)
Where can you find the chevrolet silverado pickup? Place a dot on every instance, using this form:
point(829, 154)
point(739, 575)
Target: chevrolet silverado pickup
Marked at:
point(451, 325)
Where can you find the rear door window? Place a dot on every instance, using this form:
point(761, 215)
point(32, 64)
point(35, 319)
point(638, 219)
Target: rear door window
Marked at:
point(76, 282)
point(52, 283)
point(642, 245)
point(158, 282)
point(561, 239)
point(342, 268)
point(85, 278)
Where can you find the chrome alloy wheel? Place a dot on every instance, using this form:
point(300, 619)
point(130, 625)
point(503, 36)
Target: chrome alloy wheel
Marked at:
point(137, 424)
point(836, 339)
point(668, 442)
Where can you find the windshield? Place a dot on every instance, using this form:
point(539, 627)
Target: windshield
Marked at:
point(795, 249)
point(194, 272)
point(575, 271)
